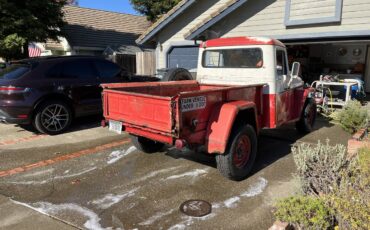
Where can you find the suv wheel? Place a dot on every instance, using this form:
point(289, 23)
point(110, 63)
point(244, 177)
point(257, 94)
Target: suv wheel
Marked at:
point(53, 117)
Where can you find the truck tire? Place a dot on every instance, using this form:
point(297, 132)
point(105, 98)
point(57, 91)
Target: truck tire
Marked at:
point(146, 145)
point(178, 74)
point(308, 117)
point(52, 117)
point(238, 160)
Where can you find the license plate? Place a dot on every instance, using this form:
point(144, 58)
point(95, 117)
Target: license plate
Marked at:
point(115, 126)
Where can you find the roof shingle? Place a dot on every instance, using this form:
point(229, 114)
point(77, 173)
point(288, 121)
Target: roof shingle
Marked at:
point(96, 28)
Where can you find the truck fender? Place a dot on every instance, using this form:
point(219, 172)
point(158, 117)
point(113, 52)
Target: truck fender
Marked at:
point(302, 96)
point(221, 123)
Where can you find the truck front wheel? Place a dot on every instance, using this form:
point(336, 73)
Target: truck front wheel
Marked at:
point(308, 117)
point(238, 160)
point(146, 145)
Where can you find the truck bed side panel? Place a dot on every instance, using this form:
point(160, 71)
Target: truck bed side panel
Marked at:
point(196, 133)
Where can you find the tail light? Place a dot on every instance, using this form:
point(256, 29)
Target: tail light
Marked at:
point(12, 90)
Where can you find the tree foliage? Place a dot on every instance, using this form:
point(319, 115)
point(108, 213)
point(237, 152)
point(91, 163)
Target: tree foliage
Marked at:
point(31, 20)
point(11, 46)
point(153, 9)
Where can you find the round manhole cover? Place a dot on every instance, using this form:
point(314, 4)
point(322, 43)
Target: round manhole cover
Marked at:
point(196, 208)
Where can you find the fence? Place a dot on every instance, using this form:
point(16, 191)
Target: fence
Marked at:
point(145, 63)
point(126, 61)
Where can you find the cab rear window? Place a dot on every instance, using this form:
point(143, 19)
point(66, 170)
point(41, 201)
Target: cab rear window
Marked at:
point(233, 58)
point(14, 71)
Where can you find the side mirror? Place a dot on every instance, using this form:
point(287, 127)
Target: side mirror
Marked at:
point(279, 68)
point(296, 68)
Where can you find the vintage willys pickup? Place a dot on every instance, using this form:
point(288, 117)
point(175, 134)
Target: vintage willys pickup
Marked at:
point(243, 85)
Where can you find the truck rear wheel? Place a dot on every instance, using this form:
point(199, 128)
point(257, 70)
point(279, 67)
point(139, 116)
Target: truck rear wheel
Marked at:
point(308, 117)
point(146, 145)
point(238, 160)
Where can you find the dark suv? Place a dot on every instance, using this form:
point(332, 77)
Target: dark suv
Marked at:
point(49, 92)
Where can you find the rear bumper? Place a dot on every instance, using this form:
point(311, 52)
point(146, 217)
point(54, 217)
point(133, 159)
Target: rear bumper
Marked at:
point(11, 115)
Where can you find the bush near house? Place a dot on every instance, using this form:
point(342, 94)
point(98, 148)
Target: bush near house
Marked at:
point(305, 212)
point(352, 117)
point(336, 190)
point(320, 167)
point(351, 199)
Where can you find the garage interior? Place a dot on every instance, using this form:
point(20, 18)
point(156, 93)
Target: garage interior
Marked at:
point(346, 59)
point(339, 61)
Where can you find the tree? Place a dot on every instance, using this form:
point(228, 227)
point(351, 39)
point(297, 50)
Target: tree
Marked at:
point(29, 21)
point(11, 46)
point(153, 9)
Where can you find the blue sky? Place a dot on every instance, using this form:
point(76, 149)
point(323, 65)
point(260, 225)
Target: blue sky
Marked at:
point(121, 6)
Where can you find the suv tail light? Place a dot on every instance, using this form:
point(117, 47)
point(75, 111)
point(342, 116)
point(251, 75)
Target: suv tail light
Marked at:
point(12, 90)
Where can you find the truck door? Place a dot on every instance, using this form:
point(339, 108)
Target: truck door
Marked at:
point(284, 95)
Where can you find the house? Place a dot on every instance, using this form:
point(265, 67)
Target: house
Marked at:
point(97, 32)
point(326, 36)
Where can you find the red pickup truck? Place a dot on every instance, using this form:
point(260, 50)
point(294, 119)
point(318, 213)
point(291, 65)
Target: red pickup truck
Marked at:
point(243, 85)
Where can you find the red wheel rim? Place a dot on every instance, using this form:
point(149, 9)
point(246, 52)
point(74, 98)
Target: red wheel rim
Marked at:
point(242, 151)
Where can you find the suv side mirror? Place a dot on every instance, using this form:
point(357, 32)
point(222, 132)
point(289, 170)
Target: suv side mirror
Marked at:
point(296, 67)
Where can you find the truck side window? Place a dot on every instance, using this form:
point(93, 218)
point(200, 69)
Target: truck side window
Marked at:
point(281, 66)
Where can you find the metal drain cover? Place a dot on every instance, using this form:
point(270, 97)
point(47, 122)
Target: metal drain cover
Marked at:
point(196, 208)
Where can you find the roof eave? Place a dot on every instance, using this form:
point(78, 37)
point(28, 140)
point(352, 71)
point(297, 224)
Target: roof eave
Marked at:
point(146, 38)
point(216, 19)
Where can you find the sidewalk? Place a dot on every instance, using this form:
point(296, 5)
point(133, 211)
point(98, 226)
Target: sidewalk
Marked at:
point(15, 216)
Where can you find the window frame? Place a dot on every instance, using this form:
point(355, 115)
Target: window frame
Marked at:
point(284, 65)
point(225, 67)
point(90, 63)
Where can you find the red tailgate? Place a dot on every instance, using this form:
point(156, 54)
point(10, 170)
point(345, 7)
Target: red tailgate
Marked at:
point(139, 110)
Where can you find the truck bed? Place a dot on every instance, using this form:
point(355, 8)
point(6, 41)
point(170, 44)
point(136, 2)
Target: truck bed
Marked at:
point(164, 111)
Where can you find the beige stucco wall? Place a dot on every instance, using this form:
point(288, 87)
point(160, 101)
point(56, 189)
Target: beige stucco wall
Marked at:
point(264, 18)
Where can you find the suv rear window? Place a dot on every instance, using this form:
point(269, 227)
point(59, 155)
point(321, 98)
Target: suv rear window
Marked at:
point(14, 71)
point(233, 58)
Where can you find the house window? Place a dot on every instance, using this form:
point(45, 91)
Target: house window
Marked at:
point(303, 12)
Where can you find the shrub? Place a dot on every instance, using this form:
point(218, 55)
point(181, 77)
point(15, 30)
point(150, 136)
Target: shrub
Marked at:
point(304, 212)
point(351, 199)
point(319, 167)
point(352, 117)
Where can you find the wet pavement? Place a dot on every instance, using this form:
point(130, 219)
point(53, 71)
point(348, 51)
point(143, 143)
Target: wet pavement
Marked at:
point(91, 178)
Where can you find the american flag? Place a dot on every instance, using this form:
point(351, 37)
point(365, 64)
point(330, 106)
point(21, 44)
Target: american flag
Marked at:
point(33, 50)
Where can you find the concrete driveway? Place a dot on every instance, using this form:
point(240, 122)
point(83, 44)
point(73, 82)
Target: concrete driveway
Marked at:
point(90, 178)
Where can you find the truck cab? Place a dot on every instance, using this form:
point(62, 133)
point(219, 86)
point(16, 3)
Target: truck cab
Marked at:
point(254, 60)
